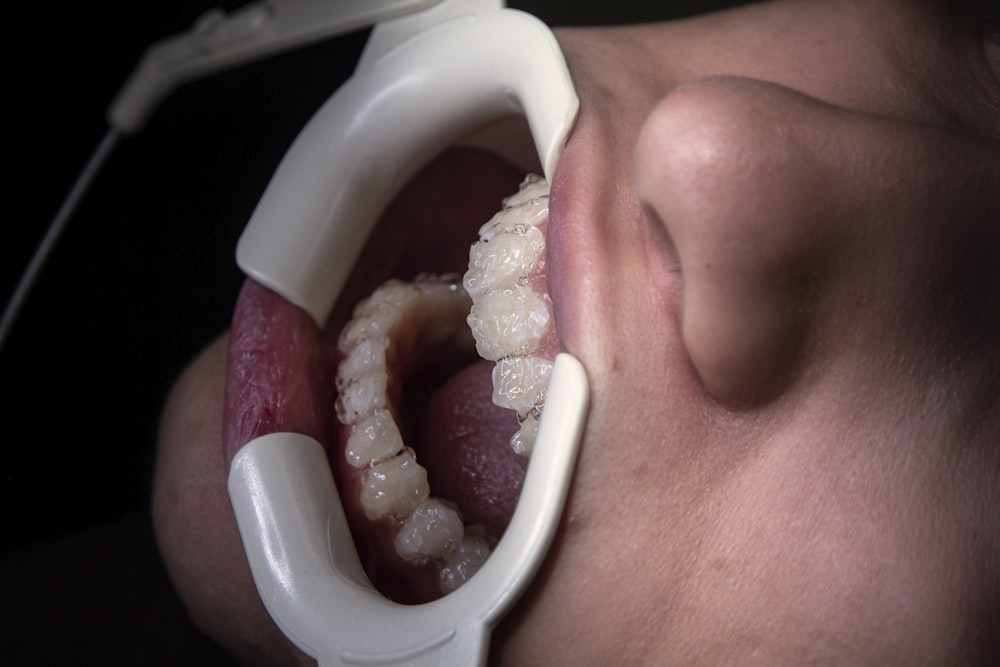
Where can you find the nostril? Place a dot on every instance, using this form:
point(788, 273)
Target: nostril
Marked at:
point(728, 169)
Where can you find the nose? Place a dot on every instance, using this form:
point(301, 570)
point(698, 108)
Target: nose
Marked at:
point(726, 166)
point(791, 218)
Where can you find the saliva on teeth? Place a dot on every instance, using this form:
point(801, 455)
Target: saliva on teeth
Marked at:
point(493, 305)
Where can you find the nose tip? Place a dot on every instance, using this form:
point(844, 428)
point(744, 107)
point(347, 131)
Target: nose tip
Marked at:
point(727, 168)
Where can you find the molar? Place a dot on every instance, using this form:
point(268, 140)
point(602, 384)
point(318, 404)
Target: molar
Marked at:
point(465, 560)
point(432, 531)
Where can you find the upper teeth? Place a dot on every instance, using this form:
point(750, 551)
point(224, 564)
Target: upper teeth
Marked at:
point(502, 259)
point(519, 383)
point(508, 320)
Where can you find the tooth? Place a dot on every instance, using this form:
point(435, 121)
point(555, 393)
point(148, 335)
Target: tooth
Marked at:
point(523, 442)
point(464, 561)
point(375, 438)
point(379, 315)
point(517, 220)
point(519, 383)
point(503, 261)
point(432, 531)
point(390, 298)
point(394, 487)
point(366, 356)
point(508, 321)
point(532, 187)
point(362, 396)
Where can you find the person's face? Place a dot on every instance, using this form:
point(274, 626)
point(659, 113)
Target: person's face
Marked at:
point(774, 245)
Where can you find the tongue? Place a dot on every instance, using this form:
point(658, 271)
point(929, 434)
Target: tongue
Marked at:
point(463, 444)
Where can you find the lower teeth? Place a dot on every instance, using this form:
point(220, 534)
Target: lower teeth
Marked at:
point(508, 322)
point(433, 530)
point(393, 488)
point(376, 438)
point(465, 560)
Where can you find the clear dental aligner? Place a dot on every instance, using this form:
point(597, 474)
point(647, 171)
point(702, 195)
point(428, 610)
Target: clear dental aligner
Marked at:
point(502, 301)
point(510, 315)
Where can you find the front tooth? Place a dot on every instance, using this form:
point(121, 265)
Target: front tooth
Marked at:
point(432, 531)
point(394, 487)
point(519, 383)
point(509, 321)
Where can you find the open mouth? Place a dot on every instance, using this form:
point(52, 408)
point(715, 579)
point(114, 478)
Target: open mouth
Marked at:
point(427, 382)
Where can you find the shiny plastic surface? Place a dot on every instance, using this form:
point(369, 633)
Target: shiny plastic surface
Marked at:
point(405, 104)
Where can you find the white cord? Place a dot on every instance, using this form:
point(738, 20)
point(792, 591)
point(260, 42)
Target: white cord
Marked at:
point(55, 230)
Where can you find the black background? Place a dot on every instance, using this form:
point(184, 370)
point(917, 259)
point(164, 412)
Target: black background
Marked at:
point(142, 279)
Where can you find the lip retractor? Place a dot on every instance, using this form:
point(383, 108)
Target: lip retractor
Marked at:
point(425, 79)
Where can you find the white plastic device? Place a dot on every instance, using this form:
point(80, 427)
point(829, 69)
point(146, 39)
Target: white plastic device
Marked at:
point(430, 73)
point(308, 574)
point(423, 81)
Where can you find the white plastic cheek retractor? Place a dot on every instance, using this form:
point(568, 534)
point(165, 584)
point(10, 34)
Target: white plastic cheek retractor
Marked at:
point(310, 578)
point(423, 82)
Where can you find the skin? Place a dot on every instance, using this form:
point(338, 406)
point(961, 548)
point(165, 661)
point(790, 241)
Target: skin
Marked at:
point(793, 206)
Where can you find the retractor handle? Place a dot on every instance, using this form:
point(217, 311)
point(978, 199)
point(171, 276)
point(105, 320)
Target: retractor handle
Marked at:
point(403, 106)
point(220, 41)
